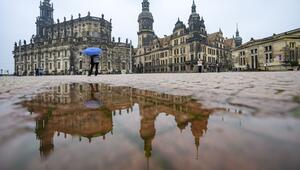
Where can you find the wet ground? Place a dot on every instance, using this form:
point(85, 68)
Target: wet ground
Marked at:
point(172, 121)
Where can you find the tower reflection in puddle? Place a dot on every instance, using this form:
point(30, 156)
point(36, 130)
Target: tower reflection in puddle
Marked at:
point(87, 111)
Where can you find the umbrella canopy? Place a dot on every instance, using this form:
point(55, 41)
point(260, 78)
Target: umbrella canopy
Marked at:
point(93, 104)
point(92, 51)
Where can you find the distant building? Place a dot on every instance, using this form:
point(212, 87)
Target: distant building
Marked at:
point(277, 52)
point(187, 49)
point(56, 47)
point(223, 50)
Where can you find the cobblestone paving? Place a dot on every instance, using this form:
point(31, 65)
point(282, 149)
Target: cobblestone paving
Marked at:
point(255, 93)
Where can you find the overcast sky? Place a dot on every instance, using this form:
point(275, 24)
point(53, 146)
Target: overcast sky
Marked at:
point(256, 18)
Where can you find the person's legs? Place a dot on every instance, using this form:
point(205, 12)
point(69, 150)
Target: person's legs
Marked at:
point(96, 71)
point(91, 70)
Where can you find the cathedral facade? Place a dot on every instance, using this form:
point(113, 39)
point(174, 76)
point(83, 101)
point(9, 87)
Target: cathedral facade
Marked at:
point(56, 47)
point(187, 49)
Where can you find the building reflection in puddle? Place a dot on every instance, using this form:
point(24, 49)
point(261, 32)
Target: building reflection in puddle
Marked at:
point(87, 111)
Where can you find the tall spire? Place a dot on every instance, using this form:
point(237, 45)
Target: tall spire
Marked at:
point(237, 30)
point(238, 39)
point(145, 5)
point(193, 7)
point(197, 143)
point(46, 2)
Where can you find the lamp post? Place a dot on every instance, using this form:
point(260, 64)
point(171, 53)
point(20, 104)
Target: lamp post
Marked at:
point(130, 58)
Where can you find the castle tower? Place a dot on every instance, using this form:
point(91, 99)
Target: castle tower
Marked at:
point(145, 21)
point(196, 25)
point(46, 17)
point(198, 127)
point(238, 40)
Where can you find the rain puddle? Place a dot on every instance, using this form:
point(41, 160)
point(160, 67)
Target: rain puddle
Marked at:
point(95, 126)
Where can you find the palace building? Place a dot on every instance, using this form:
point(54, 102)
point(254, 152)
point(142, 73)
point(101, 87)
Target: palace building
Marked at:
point(56, 47)
point(274, 53)
point(188, 49)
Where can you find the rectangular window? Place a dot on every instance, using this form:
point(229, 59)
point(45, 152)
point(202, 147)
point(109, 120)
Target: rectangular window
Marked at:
point(270, 57)
point(58, 65)
point(292, 44)
point(108, 65)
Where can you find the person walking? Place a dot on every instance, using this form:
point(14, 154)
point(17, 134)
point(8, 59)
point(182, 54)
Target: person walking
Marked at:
point(95, 60)
point(94, 53)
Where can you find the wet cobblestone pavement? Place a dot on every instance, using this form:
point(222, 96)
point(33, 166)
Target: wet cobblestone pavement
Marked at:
point(273, 92)
point(156, 121)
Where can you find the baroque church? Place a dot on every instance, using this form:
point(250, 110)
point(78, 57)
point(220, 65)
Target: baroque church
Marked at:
point(188, 49)
point(56, 47)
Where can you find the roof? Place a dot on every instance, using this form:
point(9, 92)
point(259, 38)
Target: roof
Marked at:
point(164, 40)
point(229, 43)
point(145, 15)
point(274, 37)
point(213, 36)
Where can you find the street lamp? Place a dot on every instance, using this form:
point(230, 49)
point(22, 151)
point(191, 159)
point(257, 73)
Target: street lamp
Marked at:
point(130, 58)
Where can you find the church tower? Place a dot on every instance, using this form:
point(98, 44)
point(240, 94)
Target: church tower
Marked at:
point(46, 17)
point(196, 25)
point(238, 40)
point(145, 21)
